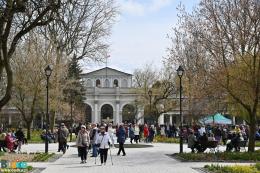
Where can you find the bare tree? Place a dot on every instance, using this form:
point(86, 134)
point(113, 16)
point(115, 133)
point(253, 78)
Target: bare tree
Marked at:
point(80, 31)
point(28, 89)
point(225, 36)
point(162, 87)
point(17, 18)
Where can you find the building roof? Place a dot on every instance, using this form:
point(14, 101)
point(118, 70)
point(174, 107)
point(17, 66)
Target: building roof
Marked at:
point(106, 68)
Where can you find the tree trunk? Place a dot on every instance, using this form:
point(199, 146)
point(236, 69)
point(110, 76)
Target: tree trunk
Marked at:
point(252, 130)
point(52, 121)
point(28, 127)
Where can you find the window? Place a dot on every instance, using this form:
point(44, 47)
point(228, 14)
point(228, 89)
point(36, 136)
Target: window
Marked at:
point(97, 83)
point(107, 83)
point(115, 83)
point(89, 83)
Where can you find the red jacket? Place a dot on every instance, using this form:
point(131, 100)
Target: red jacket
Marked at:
point(146, 132)
point(9, 142)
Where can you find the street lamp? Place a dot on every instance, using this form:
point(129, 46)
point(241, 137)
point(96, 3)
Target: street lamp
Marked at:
point(180, 72)
point(48, 71)
point(150, 96)
point(72, 94)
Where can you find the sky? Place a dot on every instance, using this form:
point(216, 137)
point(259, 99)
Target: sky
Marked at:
point(139, 36)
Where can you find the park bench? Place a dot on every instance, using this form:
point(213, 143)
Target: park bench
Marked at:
point(213, 146)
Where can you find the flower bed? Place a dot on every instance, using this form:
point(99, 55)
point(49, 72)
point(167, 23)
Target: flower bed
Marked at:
point(233, 169)
point(26, 157)
point(221, 156)
point(164, 139)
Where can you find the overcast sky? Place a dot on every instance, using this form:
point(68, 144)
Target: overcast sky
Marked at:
point(140, 34)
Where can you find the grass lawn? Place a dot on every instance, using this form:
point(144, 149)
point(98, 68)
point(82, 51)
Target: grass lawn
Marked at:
point(221, 156)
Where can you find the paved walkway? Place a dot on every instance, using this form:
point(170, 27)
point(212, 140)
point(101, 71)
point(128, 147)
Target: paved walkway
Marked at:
point(137, 160)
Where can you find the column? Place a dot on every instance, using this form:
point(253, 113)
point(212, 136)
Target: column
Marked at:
point(95, 118)
point(161, 119)
point(170, 119)
point(140, 115)
point(10, 119)
point(117, 113)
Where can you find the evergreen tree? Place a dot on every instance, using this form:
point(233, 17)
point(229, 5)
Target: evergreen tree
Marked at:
point(74, 91)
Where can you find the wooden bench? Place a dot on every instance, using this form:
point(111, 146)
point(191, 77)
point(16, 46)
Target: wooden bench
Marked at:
point(213, 146)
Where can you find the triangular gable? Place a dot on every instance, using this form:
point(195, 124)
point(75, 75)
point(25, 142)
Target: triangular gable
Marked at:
point(107, 70)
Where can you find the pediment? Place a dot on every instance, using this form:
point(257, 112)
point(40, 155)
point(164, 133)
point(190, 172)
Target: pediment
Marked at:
point(107, 71)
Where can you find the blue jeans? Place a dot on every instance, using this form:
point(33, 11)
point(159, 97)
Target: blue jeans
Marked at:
point(94, 150)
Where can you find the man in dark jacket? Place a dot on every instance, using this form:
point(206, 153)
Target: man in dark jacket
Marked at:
point(121, 135)
point(63, 134)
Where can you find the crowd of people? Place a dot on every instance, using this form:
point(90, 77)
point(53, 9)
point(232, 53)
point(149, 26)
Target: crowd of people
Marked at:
point(97, 139)
point(12, 140)
point(231, 136)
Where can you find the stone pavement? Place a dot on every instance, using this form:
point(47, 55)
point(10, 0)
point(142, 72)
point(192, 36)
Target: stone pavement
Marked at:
point(137, 160)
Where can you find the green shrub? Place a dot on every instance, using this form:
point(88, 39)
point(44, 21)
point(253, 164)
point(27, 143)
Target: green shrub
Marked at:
point(257, 165)
point(232, 156)
point(231, 169)
point(164, 139)
point(42, 157)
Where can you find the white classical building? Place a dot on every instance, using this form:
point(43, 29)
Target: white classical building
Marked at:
point(110, 97)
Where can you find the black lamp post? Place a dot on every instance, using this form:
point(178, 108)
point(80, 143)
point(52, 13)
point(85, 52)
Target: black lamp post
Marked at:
point(150, 96)
point(71, 112)
point(180, 72)
point(48, 71)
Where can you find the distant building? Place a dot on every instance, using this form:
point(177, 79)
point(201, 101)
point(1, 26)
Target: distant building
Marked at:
point(110, 97)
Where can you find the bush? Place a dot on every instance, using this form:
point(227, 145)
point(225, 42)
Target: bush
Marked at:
point(221, 156)
point(231, 169)
point(41, 157)
point(164, 139)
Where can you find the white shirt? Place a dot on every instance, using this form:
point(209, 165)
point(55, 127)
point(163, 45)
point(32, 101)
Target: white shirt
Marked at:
point(136, 130)
point(110, 131)
point(103, 140)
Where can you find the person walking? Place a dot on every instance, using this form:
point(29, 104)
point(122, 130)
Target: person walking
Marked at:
point(146, 133)
point(131, 133)
point(82, 142)
point(136, 133)
point(121, 135)
point(63, 134)
point(93, 137)
point(20, 138)
point(103, 142)
point(111, 132)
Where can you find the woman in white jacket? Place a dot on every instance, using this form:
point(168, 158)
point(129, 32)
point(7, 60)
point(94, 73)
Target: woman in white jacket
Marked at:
point(103, 142)
point(82, 143)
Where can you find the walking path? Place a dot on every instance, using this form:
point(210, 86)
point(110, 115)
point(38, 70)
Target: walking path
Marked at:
point(137, 160)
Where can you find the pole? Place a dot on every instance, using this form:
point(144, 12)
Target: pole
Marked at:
point(71, 120)
point(150, 104)
point(181, 134)
point(47, 117)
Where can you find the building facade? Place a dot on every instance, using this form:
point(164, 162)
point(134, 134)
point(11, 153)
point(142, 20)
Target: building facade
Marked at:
point(110, 97)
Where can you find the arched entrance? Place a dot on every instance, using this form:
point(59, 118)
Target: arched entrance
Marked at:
point(88, 113)
point(107, 113)
point(128, 113)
